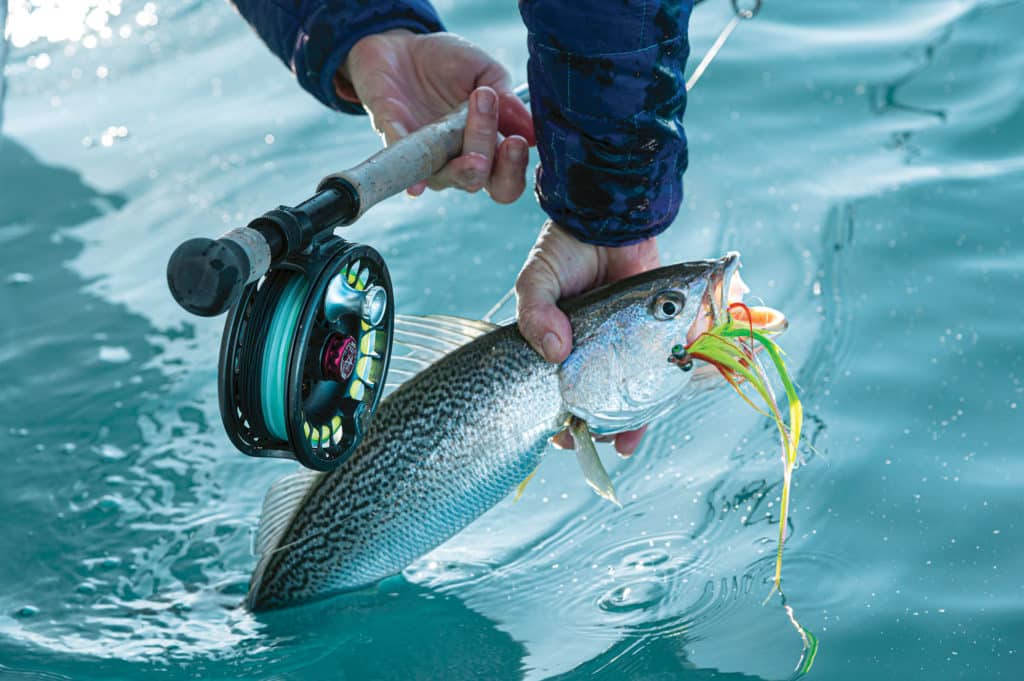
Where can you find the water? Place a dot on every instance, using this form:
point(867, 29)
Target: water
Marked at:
point(867, 159)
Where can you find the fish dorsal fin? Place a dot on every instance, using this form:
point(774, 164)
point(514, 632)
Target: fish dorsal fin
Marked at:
point(279, 507)
point(419, 341)
point(590, 462)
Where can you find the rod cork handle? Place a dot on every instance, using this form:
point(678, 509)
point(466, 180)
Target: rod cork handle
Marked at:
point(414, 158)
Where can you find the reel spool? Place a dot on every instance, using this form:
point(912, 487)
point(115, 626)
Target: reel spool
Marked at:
point(305, 355)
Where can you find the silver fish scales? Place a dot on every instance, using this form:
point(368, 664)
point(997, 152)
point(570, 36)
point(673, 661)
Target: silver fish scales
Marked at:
point(457, 437)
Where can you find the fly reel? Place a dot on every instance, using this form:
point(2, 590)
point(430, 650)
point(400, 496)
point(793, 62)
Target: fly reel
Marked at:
point(305, 353)
point(307, 341)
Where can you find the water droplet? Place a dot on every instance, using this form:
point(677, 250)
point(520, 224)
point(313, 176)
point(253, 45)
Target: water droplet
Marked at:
point(19, 278)
point(630, 597)
point(147, 17)
point(102, 563)
point(112, 452)
point(114, 354)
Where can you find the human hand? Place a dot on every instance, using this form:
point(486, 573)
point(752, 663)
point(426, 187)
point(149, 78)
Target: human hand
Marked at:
point(405, 81)
point(560, 266)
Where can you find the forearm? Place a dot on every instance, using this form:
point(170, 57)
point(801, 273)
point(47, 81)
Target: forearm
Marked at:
point(608, 94)
point(313, 37)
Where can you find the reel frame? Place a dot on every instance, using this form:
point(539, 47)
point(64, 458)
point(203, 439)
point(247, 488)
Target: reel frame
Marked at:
point(242, 382)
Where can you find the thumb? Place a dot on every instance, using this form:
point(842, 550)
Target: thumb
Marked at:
point(544, 326)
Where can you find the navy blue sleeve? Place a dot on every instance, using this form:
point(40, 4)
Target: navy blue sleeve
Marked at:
point(313, 37)
point(608, 92)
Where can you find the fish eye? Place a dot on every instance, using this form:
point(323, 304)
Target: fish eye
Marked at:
point(667, 304)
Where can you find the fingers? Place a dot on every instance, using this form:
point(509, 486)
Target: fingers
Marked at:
point(479, 142)
point(514, 117)
point(486, 163)
point(468, 172)
point(546, 329)
point(558, 266)
point(563, 440)
point(508, 180)
point(472, 169)
point(626, 443)
point(481, 123)
point(543, 325)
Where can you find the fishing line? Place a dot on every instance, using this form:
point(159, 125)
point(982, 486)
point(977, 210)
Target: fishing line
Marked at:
point(740, 14)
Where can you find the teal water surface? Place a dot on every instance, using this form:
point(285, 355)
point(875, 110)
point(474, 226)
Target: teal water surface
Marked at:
point(866, 158)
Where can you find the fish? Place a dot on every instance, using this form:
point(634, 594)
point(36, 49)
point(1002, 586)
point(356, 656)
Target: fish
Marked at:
point(474, 423)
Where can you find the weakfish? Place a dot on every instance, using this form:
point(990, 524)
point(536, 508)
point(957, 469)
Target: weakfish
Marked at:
point(475, 421)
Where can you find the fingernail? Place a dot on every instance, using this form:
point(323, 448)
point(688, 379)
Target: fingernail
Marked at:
point(485, 101)
point(551, 345)
point(516, 151)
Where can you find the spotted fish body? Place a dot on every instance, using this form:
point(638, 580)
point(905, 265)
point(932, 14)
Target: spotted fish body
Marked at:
point(456, 438)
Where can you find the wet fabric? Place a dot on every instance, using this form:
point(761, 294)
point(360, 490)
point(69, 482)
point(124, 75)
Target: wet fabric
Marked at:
point(313, 37)
point(607, 90)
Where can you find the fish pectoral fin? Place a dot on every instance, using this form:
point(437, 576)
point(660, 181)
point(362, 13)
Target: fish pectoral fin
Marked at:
point(419, 341)
point(593, 470)
point(279, 507)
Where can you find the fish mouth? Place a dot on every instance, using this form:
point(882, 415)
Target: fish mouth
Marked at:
point(724, 291)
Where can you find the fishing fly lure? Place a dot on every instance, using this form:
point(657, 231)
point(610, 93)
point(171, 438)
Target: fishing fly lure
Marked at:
point(732, 348)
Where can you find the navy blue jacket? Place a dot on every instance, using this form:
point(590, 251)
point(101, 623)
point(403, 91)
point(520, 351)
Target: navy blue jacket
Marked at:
point(607, 91)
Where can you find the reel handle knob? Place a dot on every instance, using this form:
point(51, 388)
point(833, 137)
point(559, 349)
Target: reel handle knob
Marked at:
point(206, 277)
